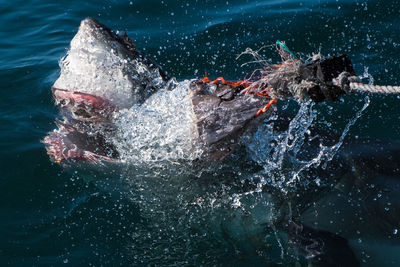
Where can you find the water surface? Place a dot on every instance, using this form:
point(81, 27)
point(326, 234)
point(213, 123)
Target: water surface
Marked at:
point(182, 214)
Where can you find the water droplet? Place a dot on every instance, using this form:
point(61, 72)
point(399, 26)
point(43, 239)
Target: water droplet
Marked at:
point(65, 260)
point(395, 231)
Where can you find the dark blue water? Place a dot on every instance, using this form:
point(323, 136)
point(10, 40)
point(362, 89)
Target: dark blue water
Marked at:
point(100, 216)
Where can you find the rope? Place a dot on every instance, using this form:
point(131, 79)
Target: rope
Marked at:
point(345, 81)
point(352, 84)
point(223, 81)
point(379, 89)
point(282, 49)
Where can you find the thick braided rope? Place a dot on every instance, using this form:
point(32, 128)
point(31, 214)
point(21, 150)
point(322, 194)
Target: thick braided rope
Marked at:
point(380, 89)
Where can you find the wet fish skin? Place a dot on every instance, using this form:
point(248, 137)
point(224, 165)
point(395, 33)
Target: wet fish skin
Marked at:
point(222, 114)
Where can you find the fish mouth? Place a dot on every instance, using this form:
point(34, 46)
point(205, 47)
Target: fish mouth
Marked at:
point(83, 107)
point(93, 101)
point(67, 143)
point(81, 135)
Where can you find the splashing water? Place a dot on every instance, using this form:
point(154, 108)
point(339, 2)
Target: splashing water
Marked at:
point(283, 154)
point(158, 130)
point(182, 207)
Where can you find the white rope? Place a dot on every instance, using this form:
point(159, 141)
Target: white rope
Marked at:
point(380, 89)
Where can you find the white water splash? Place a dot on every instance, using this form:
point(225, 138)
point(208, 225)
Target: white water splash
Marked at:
point(161, 129)
point(280, 153)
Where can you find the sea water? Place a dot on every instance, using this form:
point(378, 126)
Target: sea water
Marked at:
point(334, 166)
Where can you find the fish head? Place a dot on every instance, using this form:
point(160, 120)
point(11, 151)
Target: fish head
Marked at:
point(222, 114)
